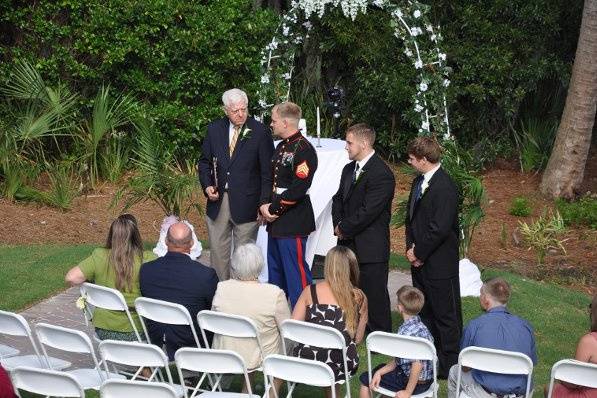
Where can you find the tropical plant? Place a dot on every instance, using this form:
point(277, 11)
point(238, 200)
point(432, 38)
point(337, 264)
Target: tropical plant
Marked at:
point(64, 186)
point(534, 141)
point(542, 234)
point(460, 165)
point(114, 158)
point(109, 114)
point(159, 177)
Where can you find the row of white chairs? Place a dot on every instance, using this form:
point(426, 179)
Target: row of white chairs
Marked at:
point(58, 383)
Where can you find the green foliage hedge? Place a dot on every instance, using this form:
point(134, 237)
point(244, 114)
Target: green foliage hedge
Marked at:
point(177, 56)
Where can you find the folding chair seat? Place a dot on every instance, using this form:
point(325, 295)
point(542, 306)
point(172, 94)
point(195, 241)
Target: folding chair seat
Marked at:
point(575, 372)
point(136, 389)
point(297, 371)
point(496, 361)
point(164, 312)
point(71, 340)
point(46, 382)
point(15, 325)
point(319, 336)
point(214, 362)
point(398, 346)
point(138, 355)
point(229, 325)
point(7, 351)
point(108, 299)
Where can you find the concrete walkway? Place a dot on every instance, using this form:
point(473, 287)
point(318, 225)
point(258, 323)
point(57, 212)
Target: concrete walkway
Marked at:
point(61, 310)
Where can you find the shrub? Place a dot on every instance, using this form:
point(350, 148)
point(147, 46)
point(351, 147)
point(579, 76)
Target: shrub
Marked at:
point(520, 207)
point(542, 234)
point(581, 212)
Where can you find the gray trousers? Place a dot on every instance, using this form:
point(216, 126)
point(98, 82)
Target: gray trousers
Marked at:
point(224, 234)
point(468, 385)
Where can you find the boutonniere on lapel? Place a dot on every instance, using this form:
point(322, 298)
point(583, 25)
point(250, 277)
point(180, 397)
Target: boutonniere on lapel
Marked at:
point(359, 176)
point(245, 134)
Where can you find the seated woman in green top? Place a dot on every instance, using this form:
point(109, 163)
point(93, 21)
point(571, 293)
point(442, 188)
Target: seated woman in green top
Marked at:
point(116, 266)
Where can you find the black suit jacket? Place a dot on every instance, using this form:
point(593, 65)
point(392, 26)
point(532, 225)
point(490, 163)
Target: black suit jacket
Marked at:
point(177, 279)
point(248, 172)
point(363, 210)
point(432, 225)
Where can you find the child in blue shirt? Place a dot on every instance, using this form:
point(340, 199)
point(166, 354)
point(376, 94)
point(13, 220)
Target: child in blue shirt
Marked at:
point(404, 376)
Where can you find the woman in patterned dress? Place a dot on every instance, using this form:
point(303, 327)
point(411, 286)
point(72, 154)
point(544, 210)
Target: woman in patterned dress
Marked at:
point(338, 303)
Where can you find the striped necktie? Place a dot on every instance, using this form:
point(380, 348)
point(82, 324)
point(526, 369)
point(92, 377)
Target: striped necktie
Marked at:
point(234, 139)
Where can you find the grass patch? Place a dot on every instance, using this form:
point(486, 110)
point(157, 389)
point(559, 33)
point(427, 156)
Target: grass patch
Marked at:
point(559, 316)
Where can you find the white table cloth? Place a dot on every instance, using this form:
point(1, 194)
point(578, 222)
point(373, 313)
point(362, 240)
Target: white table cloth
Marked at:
point(331, 159)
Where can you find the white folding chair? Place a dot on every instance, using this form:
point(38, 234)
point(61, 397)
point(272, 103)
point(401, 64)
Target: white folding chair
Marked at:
point(229, 325)
point(408, 347)
point(164, 312)
point(15, 325)
point(139, 355)
point(136, 389)
point(297, 370)
point(496, 361)
point(71, 340)
point(46, 382)
point(215, 362)
point(575, 372)
point(318, 336)
point(107, 299)
point(7, 351)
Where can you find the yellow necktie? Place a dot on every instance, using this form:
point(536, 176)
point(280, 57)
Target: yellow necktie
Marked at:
point(234, 139)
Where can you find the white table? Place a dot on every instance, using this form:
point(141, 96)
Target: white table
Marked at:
point(331, 159)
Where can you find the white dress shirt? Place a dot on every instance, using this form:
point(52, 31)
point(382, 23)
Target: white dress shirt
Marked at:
point(427, 176)
point(361, 163)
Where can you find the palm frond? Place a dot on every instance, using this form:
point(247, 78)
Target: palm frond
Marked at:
point(25, 83)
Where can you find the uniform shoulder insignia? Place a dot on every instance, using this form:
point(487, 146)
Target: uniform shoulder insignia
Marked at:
point(302, 170)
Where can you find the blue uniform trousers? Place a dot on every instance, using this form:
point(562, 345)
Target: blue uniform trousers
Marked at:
point(287, 267)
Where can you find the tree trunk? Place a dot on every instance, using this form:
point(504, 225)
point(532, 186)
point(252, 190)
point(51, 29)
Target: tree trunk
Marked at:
point(565, 169)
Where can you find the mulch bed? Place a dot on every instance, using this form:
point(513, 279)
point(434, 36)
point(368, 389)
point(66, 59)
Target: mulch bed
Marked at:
point(90, 218)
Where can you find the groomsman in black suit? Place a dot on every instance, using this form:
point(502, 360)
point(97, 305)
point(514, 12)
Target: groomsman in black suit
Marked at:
point(432, 235)
point(361, 212)
point(235, 174)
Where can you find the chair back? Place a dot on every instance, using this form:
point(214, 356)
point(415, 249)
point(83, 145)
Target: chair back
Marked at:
point(318, 336)
point(108, 299)
point(228, 325)
point(164, 312)
point(16, 325)
point(211, 361)
point(312, 334)
point(7, 351)
point(399, 346)
point(136, 389)
point(298, 370)
point(65, 339)
point(575, 372)
point(496, 361)
point(46, 382)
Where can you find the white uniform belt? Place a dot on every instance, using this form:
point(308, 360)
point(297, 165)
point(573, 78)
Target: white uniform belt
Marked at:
point(280, 191)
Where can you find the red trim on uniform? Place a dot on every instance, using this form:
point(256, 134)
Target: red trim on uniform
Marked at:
point(301, 265)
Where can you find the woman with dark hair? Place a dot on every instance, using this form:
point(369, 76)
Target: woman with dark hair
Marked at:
point(116, 265)
point(338, 303)
point(586, 351)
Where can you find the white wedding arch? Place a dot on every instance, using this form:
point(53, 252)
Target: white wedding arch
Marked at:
point(411, 25)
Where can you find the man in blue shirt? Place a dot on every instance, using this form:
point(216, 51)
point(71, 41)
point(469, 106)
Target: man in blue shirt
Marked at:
point(497, 329)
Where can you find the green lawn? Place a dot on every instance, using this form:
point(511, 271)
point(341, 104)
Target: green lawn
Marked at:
point(29, 274)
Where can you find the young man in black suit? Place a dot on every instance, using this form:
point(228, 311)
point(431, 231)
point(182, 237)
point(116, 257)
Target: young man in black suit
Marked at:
point(432, 235)
point(177, 279)
point(235, 175)
point(361, 212)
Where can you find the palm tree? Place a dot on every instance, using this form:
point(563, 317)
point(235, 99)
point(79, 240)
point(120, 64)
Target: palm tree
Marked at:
point(565, 169)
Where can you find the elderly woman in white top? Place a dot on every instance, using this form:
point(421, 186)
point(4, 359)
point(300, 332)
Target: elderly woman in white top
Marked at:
point(265, 304)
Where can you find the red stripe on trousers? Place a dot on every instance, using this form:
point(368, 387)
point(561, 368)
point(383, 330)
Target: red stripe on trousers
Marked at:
point(301, 265)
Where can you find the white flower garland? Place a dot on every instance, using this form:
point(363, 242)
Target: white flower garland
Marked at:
point(422, 46)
